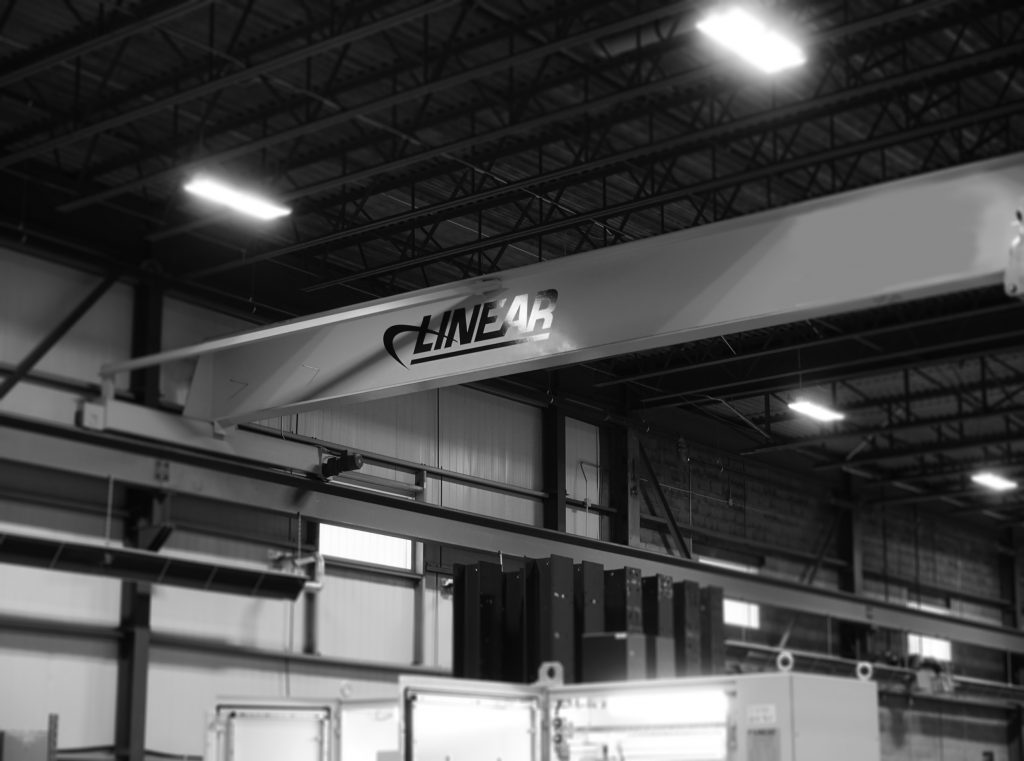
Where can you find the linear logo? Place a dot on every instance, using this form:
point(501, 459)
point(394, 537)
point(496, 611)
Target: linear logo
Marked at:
point(482, 327)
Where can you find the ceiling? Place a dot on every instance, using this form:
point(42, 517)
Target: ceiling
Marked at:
point(425, 141)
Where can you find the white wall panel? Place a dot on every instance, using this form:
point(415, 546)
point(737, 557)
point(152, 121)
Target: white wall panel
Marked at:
point(185, 324)
point(583, 522)
point(184, 686)
point(249, 621)
point(582, 460)
point(74, 678)
point(56, 595)
point(495, 504)
point(404, 427)
point(487, 436)
point(35, 295)
point(437, 623)
point(366, 617)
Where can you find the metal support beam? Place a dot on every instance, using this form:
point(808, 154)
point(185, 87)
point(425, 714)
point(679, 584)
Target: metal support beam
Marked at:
point(810, 572)
point(768, 269)
point(88, 41)
point(147, 324)
point(25, 366)
point(553, 457)
point(910, 425)
point(619, 448)
point(246, 74)
point(661, 505)
point(133, 651)
point(261, 471)
point(1011, 572)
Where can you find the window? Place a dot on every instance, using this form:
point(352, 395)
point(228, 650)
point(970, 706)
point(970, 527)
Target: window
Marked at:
point(929, 647)
point(365, 547)
point(925, 646)
point(737, 612)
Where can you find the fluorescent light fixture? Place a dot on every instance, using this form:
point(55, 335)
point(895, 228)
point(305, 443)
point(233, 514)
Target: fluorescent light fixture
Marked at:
point(752, 40)
point(233, 198)
point(993, 481)
point(816, 411)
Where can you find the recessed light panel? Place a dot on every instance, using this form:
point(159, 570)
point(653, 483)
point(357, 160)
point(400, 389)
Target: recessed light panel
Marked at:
point(752, 40)
point(817, 411)
point(993, 481)
point(241, 201)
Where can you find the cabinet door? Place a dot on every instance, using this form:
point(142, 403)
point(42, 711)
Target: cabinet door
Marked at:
point(469, 720)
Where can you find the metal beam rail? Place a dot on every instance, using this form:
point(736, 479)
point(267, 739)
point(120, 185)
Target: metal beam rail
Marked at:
point(407, 466)
point(174, 641)
point(260, 471)
point(908, 253)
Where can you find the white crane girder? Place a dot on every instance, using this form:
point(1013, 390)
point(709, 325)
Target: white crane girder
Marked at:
point(927, 235)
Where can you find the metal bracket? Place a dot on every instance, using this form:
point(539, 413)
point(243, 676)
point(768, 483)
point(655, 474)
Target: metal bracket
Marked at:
point(1013, 279)
point(92, 415)
point(218, 430)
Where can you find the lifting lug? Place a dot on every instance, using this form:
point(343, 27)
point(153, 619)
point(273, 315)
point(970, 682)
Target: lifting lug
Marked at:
point(1013, 279)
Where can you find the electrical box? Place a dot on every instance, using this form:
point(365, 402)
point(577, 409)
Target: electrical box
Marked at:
point(759, 717)
point(271, 730)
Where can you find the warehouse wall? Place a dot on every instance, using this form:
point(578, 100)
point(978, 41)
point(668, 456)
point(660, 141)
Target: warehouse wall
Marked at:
point(370, 616)
point(455, 429)
point(941, 730)
point(759, 514)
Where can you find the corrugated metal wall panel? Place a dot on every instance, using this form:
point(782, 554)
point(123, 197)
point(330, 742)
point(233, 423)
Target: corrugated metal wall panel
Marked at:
point(185, 324)
point(485, 502)
point(249, 621)
point(71, 677)
point(185, 686)
point(403, 427)
point(367, 617)
point(56, 595)
point(487, 436)
point(437, 622)
point(212, 547)
point(583, 522)
point(35, 295)
point(582, 460)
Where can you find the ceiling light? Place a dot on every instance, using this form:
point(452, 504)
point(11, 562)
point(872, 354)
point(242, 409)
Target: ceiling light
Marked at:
point(752, 40)
point(816, 411)
point(994, 482)
point(239, 200)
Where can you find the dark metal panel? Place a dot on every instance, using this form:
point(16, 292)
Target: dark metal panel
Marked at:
point(553, 453)
point(712, 632)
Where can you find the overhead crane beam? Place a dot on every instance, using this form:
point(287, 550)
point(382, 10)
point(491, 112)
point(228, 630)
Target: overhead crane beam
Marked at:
point(928, 235)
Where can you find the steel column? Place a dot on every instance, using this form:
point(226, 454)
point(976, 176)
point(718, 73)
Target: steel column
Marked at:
point(147, 323)
point(620, 450)
point(553, 454)
point(133, 658)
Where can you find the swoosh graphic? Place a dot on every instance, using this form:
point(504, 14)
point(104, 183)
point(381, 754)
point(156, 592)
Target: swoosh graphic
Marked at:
point(395, 331)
